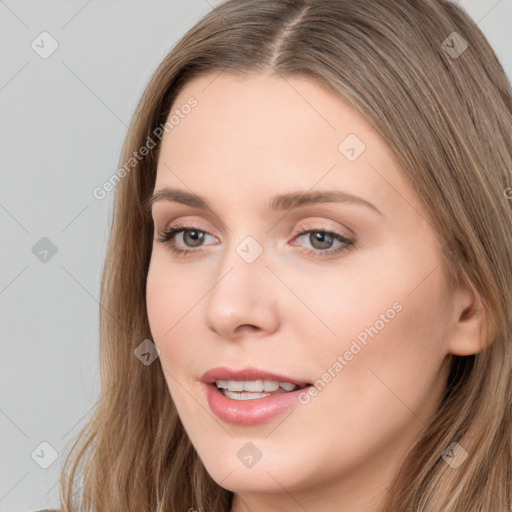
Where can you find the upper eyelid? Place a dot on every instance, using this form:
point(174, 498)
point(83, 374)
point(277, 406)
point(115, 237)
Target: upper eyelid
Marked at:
point(215, 218)
point(192, 225)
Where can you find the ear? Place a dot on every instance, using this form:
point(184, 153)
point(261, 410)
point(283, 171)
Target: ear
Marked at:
point(472, 328)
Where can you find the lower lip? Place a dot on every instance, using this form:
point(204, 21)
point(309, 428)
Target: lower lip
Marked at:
point(249, 412)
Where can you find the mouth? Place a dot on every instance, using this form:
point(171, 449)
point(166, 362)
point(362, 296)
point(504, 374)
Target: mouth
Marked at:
point(252, 402)
point(251, 396)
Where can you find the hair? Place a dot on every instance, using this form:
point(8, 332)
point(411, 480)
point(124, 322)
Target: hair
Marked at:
point(448, 118)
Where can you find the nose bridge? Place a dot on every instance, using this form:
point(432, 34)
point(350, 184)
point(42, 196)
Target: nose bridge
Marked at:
point(244, 259)
point(241, 293)
point(243, 266)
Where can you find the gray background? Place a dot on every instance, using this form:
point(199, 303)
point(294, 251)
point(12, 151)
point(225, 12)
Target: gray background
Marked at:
point(64, 119)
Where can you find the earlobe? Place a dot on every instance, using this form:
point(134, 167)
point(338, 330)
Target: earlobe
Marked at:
point(473, 328)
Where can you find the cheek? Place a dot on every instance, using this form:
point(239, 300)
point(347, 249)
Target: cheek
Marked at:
point(392, 352)
point(158, 301)
point(397, 293)
point(350, 304)
point(391, 321)
point(170, 298)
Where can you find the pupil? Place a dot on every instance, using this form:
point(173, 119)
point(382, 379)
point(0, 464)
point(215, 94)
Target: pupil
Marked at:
point(195, 237)
point(321, 237)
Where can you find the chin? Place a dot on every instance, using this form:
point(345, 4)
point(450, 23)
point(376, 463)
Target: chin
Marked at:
point(247, 482)
point(266, 476)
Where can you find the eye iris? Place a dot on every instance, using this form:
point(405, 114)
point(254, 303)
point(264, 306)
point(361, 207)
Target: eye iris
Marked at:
point(321, 237)
point(194, 235)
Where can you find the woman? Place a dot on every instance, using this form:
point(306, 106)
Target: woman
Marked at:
point(306, 296)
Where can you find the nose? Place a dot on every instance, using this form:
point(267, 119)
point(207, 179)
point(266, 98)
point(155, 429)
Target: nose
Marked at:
point(243, 298)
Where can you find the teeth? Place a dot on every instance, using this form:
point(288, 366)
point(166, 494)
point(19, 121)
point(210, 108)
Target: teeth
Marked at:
point(255, 386)
point(287, 386)
point(244, 395)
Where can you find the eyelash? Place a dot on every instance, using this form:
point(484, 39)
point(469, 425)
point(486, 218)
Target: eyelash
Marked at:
point(169, 235)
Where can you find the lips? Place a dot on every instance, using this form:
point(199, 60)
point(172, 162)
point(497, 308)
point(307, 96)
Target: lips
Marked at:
point(249, 373)
point(249, 412)
point(254, 411)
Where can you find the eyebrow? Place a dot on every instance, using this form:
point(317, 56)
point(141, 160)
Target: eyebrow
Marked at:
point(279, 202)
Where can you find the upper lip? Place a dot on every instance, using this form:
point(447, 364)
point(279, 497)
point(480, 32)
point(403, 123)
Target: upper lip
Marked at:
point(248, 373)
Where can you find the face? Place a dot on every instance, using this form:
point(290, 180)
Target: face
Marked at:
point(345, 293)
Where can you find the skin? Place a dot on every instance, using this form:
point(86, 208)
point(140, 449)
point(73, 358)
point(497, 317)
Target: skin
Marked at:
point(248, 139)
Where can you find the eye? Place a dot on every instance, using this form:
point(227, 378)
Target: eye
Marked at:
point(191, 237)
point(322, 239)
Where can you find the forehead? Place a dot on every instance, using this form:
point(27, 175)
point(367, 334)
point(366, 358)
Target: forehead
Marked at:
point(256, 109)
point(257, 134)
point(265, 104)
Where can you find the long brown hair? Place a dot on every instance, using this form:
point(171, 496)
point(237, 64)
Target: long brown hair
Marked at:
point(426, 78)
